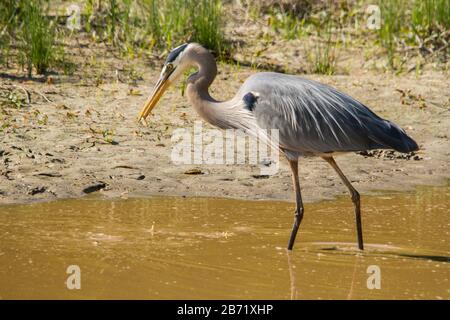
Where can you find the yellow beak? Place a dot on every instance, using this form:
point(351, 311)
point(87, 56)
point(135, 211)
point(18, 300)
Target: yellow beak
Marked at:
point(160, 88)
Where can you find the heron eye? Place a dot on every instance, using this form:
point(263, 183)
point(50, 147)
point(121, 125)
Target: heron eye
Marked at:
point(169, 66)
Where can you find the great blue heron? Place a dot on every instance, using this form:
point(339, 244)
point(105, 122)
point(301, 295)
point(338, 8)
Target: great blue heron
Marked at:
point(313, 119)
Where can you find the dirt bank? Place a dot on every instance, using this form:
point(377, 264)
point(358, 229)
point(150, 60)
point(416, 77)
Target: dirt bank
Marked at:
point(76, 137)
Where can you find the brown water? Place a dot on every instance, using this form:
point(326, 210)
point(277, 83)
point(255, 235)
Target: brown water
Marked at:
point(215, 248)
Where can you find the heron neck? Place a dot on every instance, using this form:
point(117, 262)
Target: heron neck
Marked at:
point(207, 70)
point(199, 83)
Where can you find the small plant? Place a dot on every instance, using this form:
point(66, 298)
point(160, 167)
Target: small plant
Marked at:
point(422, 23)
point(206, 24)
point(38, 44)
point(8, 22)
point(429, 16)
point(393, 18)
point(430, 21)
point(28, 37)
point(323, 58)
point(288, 24)
point(11, 99)
point(153, 21)
point(8, 15)
point(108, 136)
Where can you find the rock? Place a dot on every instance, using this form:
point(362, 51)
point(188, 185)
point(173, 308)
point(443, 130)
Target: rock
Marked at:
point(226, 179)
point(260, 176)
point(193, 171)
point(95, 187)
point(37, 190)
point(49, 174)
point(266, 162)
point(124, 167)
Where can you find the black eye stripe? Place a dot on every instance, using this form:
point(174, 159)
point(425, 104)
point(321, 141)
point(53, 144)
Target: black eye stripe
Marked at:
point(174, 53)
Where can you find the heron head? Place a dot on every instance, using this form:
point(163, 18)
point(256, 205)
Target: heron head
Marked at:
point(173, 67)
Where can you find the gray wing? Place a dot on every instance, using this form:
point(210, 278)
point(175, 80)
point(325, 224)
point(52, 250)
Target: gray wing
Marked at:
point(315, 118)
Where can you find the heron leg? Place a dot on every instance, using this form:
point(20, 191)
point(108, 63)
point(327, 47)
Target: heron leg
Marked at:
point(298, 200)
point(355, 199)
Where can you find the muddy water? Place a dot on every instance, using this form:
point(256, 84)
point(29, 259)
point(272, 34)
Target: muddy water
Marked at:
point(215, 248)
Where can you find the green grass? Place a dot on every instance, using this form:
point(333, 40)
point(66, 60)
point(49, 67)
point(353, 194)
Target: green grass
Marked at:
point(132, 26)
point(405, 24)
point(30, 37)
point(393, 20)
point(164, 24)
point(37, 38)
point(25, 27)
point(8, 19)
point(287, 24)
point(421, 23)
point(430, 16)
point(323, 58)
point(207, 25)
point(322, 55)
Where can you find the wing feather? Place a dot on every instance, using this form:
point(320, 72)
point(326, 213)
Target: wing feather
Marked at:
point(315, 118)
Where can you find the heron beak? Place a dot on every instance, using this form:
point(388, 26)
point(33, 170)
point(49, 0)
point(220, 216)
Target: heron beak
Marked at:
point(160, 87)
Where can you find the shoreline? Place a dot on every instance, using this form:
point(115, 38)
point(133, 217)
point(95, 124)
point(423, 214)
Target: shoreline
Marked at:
point(331, 195)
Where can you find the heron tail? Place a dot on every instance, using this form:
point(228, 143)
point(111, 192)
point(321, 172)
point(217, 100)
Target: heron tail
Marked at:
point(391, 136)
